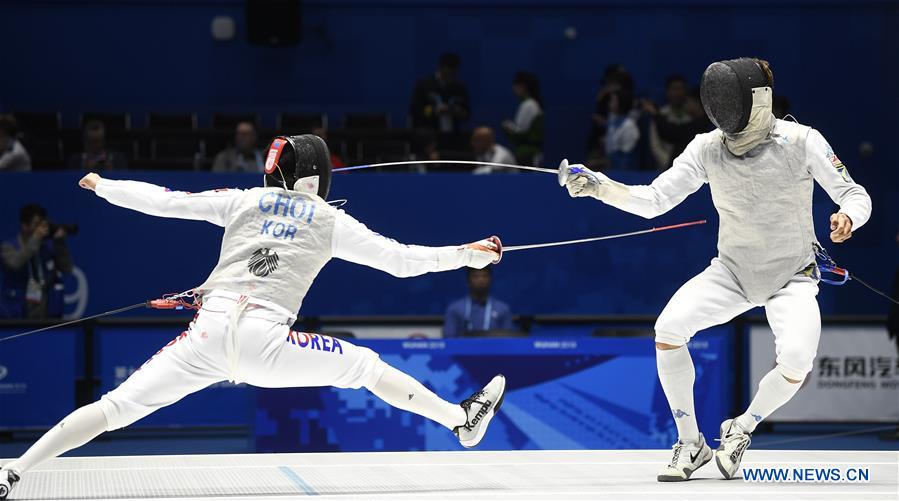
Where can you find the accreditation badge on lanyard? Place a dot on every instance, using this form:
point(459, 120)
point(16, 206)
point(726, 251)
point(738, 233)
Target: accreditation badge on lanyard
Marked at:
point(488, 313)
point(34, 292)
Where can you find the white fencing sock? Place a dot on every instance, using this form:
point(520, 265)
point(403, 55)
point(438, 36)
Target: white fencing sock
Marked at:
point(404, 392)
point(677, 374)
point(75, 430)
point(774, 391)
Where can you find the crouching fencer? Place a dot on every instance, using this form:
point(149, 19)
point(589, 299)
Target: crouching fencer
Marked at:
point(276, 240)
point(761, 172)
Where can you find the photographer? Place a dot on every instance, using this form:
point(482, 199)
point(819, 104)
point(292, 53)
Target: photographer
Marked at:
point(33, 264)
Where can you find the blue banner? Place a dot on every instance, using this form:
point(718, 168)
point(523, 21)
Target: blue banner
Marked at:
point(562, 393)
point(37, 377)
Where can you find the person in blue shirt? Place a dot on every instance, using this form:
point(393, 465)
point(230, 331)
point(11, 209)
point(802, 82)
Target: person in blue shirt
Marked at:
point(478, 311)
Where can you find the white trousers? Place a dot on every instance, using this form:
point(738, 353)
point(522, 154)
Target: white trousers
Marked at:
point(231, 340)
point(714, 297)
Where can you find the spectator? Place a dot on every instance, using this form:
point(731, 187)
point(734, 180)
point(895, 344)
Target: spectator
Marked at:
point(96, 156)
point(615, 78)
point(780, 107)
point(440, 103)
point(33, 264)
point(13, 156)
point(478, 311)
point(526, 131)
point(485, 149)
point(244, 156)
point(336, 161)
point(676, 123)
point(622, 133)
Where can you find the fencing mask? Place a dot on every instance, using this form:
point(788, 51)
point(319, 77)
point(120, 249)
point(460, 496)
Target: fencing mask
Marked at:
point(299, 163)
point(726, 92)
point(736, 96)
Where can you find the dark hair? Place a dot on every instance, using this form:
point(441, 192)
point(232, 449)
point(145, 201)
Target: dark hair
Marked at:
point(488, 269)
point(530, 83)
point(8, 125)
point(450, 60)
point(675, 78)
point(617, 73)
point(27, 213)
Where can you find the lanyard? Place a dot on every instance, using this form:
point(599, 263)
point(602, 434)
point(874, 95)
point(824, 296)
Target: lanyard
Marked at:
point(488, 310)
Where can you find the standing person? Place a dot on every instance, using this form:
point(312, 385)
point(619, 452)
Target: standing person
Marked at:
point(244, 156)
point(526, 131)
point(440, 103)
point(276, 240)
point(676, 123)
point(761, 172)
point(622, 132)
point(479, 311)
point(33, 264)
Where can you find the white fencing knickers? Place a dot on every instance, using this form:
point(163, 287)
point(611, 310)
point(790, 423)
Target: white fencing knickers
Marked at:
point(714, 297)
point(233, 339)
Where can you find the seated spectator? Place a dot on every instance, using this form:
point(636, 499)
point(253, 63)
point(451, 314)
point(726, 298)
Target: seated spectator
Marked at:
point(336, 161)
point(13, 156)
point(96, 156)
point(440, 103)
point(478, 311)
point(244, 156)
point(622, 133)
point(485, 149)
point(526, 131)
point(33, 263)
point(676, 123)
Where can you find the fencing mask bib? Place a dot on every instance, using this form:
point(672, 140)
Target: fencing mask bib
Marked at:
point(737, 98)
point(299, 163)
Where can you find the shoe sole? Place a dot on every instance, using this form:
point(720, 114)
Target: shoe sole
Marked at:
point(723, 470)
point(665, 478)
point(489, 417)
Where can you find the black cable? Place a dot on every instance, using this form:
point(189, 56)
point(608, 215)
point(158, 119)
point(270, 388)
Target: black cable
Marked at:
point(72, 322)
point(853, 277)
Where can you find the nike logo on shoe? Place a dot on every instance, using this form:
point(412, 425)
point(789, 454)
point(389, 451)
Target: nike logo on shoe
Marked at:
point(694, 456)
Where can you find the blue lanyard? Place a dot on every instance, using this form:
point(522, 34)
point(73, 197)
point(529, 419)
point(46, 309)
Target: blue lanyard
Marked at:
point(488, 310)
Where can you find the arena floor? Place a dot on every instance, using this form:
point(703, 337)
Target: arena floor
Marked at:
point(558, 475)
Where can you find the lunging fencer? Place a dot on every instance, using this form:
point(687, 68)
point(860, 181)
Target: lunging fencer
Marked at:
point(761, 172)
point(276, 240)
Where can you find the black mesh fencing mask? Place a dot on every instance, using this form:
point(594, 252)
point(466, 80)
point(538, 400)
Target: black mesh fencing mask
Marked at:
point(726, 92)
point(299, 163)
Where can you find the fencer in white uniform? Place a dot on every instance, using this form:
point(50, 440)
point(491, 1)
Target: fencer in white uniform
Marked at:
point(276, 240)
point(761, 173)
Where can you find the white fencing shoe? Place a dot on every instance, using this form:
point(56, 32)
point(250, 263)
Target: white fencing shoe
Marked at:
point(734, 442)
point(479, 410)
point(688, 457)
point(8, 479)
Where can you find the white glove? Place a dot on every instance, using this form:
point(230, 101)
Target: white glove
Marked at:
point(483, 253)
point(583, 182)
